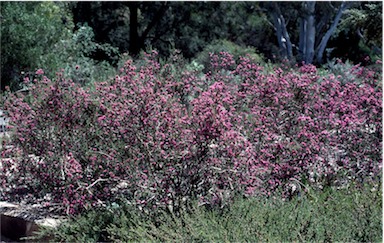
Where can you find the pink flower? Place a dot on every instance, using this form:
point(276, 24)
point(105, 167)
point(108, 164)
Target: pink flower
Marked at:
point(101, 118)
point(39, 72)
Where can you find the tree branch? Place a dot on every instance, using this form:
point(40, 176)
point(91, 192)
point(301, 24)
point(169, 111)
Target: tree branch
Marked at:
point(282, 32)
point(159, 14)
point(328, 34)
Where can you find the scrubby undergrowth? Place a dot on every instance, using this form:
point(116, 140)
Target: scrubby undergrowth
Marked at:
point(345, 215)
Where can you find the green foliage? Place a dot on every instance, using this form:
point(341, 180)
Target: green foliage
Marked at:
point(191, 26)
point(198, 24)
point(345, 215)
point(74, 57)
point(83, 42)
point(39, 35)
point(237, 51)
point(187, 26)
point(77, 61)
point(88, 228)
point(29, 30)
point(312, 217)
point(347, 72)
point(362, 28)
point(367, 20)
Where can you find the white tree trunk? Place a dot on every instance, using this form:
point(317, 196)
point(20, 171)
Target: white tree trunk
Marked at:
point(311, 32)
point(307, 32)
point(283, 38)
point(302, 39)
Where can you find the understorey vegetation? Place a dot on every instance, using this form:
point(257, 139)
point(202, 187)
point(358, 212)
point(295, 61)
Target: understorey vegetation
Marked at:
point(163, 136)
point(350, 214)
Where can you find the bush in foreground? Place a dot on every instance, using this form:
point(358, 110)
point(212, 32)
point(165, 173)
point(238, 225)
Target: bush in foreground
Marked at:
point(347, 215)
point(161, 136)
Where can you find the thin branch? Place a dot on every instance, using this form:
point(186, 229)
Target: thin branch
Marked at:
point(95, 182)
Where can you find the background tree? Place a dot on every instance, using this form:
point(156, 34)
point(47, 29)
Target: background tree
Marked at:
point(29, 31)
point(361, 29)
point(108, 20)
point(42, 34)
point(325, 38)
point(303, 29)
point(188, 26)
point(317, 22)
point(125, 25)
point(280, 25)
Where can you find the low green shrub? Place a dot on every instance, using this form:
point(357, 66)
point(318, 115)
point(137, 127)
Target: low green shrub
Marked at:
point(347, 72)
point(345, 215)
point(218, 46)
point(75, 56)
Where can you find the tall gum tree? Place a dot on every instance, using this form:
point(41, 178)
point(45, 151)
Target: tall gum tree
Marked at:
point(317, 22)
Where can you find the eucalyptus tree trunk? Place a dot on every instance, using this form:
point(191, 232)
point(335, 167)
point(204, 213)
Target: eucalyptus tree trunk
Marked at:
point(307, 32)
point(283, 39)
point(312, 39)
point(323, 44)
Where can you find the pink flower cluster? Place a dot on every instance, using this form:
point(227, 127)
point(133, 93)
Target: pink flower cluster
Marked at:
point(160, 135)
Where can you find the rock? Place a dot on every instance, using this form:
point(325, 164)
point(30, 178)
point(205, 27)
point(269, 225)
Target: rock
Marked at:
point(16, 228)
point(3, 122)
point(19, 221)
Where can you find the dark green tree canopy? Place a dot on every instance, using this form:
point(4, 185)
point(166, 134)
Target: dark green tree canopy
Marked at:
point(33, 34)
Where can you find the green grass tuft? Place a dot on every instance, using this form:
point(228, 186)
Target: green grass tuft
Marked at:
point(343, 215)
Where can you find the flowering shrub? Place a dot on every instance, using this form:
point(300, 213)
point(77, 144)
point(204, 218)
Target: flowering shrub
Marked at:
point(313, 127)
point(160, 136)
